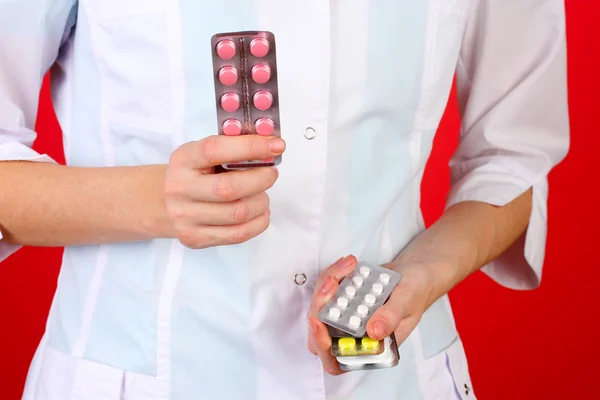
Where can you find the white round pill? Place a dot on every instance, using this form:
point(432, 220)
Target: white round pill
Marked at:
point(362, 310)
point(334, 313)
point(350, 291)
point(385, 278)
point(377, 288)
point(370, 299)
point(364, 271)
point(342, 302)
point(354, 321)
point(358, 281)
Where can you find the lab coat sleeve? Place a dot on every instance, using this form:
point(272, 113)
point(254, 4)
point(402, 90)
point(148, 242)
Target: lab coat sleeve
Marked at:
point(512, 93)
point(31, 35)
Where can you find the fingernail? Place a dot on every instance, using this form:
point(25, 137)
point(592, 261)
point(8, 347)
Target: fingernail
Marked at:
point(277, 145)
point(347, 261)
point(379, 329)
point(327, 285)
point(313, 327)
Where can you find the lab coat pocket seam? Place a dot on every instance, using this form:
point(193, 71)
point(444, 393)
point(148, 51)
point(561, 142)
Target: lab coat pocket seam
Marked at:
point(134, 59)
point(457, 366)
point(93, 380)
point(67, 377)
point(141, 387)
point(446, 22)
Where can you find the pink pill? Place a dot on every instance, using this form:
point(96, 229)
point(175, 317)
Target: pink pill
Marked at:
point(265, 126)
point(263, 100)
point(226, 49)
point(261, 73)
point(268, 160)
point(228, 76)
point(230, 102)
point(232, 127)
point(259, 47)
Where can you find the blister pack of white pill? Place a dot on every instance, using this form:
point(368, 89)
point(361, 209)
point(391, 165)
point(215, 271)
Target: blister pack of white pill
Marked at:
point(358, 297)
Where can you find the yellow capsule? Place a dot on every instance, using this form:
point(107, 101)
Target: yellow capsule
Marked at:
point(347, 346)
point(347, 343)
point(369, 344)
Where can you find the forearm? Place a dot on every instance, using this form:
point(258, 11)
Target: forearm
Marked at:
point(467, 236)
point(50, 205)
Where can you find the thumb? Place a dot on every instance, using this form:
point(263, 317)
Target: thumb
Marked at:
point(388, 317)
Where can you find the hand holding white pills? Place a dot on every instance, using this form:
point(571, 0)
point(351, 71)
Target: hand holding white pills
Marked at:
point(406, 304)
point(206, 209)
point(364, 292)
point(356, 304)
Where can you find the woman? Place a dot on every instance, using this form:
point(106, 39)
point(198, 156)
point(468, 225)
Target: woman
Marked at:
point(181, 283)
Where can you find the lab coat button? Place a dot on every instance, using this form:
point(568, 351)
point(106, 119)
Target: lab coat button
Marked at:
point(310, 133)
point(300, 279)
point(467, 389)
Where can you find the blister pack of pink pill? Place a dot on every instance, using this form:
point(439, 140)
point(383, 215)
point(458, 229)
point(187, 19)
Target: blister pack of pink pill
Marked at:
point(246, 92)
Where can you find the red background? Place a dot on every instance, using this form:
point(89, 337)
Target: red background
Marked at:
point(541, 344)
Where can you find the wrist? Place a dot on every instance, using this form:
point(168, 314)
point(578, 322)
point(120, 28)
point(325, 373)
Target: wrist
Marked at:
point(435, 276)
point(155, 221)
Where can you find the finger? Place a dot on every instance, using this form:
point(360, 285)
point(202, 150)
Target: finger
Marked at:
point(329, 362)
point(405, 328)
point(390, 315)
point(328, 283)
point(220, 214)
point(232, 185)
point(220, 149)
point(323, 345)
point(209, 236)
point(322, 295)
point(338, 270)
point(311, 345)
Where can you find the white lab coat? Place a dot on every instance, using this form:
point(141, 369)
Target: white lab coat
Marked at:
point(363, 84)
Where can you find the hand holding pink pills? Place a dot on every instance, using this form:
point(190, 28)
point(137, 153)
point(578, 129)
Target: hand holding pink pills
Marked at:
point(245, 72)
point(206, 209)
